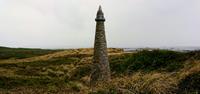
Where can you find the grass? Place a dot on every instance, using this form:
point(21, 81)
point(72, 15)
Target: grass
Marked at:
point(50, 85)
point(19, 53)
point(144, 72)
point(12, 82)
point(81, 71)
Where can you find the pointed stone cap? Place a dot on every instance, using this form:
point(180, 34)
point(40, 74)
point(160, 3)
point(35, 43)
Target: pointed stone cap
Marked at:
point(100, 15)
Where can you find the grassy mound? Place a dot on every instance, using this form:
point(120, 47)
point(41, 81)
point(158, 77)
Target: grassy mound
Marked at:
point(144, 72)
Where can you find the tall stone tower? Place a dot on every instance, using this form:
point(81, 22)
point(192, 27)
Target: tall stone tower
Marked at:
point(100, 60)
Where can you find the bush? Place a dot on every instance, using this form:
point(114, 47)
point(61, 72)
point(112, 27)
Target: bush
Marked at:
point(162, 60)
point(190, 84)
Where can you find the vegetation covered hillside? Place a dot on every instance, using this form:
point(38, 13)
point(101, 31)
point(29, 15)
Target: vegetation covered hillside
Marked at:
point(19, 53)
point(68, 72)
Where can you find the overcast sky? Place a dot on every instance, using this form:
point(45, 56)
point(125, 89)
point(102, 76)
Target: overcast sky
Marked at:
point(71, 23)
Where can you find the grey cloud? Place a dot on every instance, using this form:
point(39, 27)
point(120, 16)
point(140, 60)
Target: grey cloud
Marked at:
point(70, 23)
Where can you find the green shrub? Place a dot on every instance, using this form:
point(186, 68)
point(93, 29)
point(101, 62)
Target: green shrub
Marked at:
point(190, 85)
point(163, 60)
point(194, 55)
point(117, 64)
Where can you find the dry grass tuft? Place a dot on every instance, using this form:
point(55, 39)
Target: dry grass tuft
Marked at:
point(155, 83)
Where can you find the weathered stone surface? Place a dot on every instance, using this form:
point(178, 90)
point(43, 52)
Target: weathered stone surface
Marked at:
point(101, 70)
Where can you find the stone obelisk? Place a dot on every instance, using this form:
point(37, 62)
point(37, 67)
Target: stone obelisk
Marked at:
point(101, 71)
